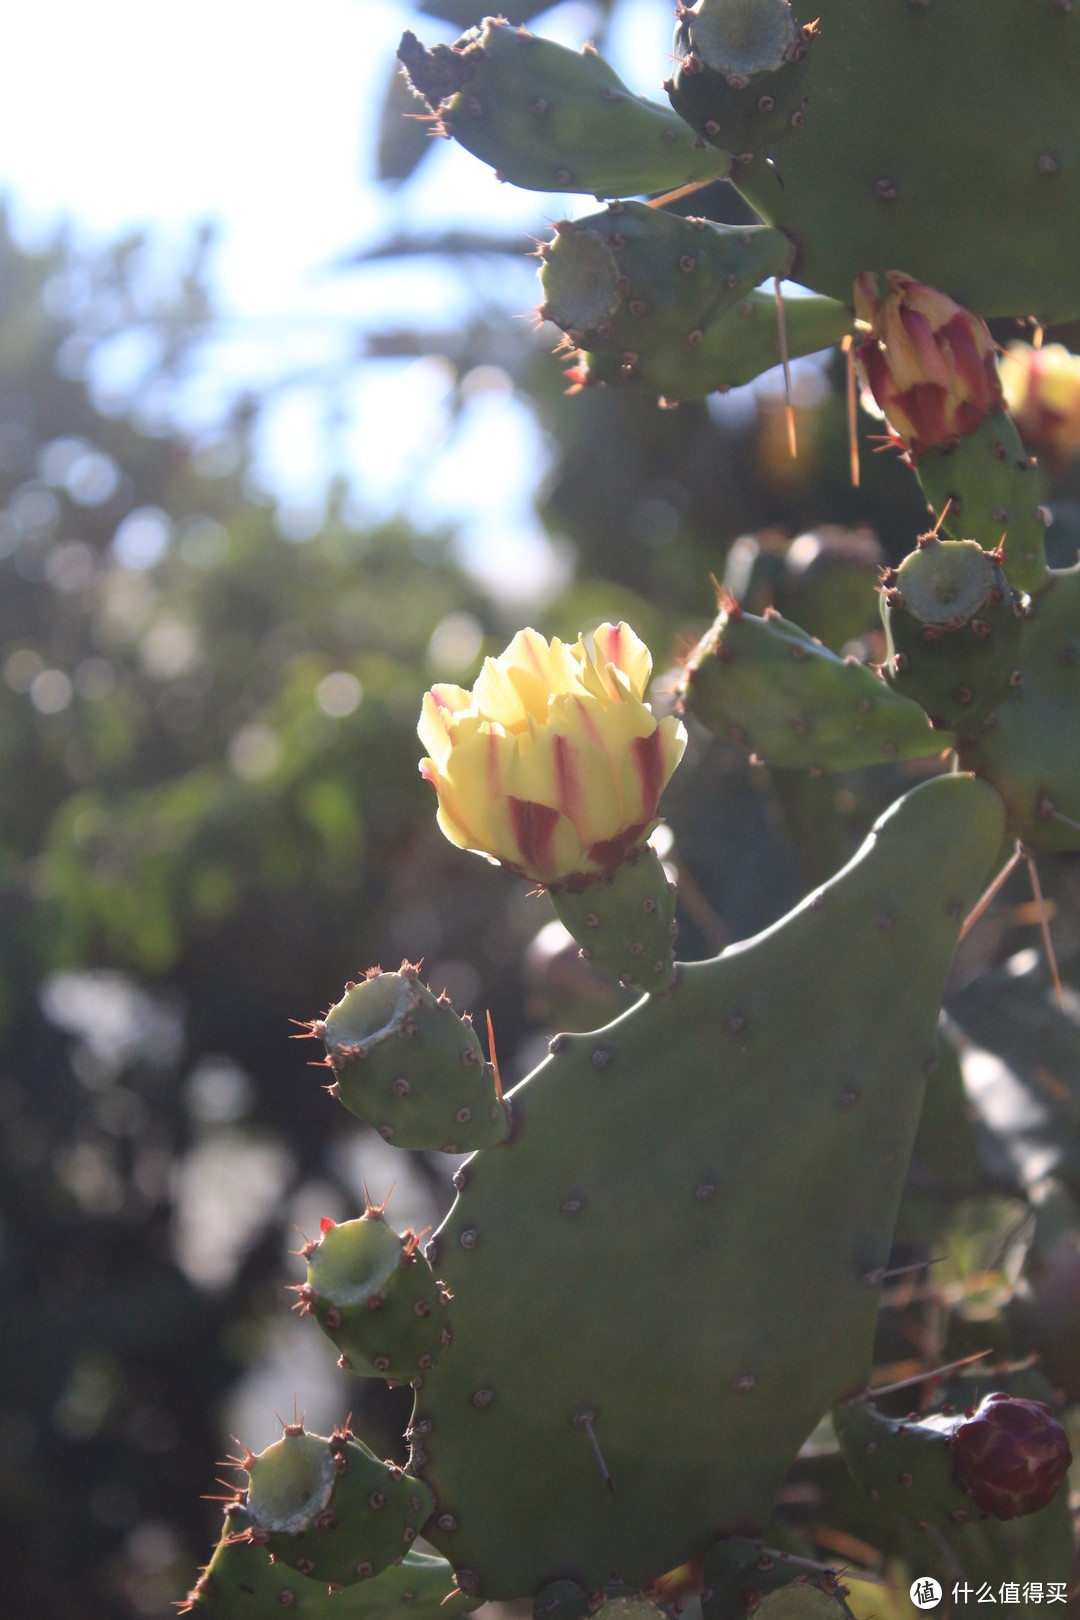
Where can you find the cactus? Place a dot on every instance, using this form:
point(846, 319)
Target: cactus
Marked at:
point(953, 627)
point(551, 119)
point(669, 1254)
point(404, 1062)
point(766, 683)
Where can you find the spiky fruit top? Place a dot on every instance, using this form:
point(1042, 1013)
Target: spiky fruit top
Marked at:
point(737, 78)
point(406, 1063)
point(1011, 1456)
point(329, 1508)
point(953, 626)
point(371, 1290)
point(639, 285)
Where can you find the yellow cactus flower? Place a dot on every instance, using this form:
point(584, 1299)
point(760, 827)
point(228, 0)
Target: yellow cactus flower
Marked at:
point(554, 763)
point(1042, 393)
point(928, 362)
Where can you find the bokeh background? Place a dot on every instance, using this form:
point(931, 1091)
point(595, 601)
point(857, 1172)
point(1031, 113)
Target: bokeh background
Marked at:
point(279, 445)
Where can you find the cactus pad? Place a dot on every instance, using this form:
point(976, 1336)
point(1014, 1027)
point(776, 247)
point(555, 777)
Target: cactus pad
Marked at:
point(766, 683)
point(1029, 752)
point(656, 1345)
point(905, 1465)
point(987, 489)
point(551, 119)
point(241, 1583)
point(905, 157)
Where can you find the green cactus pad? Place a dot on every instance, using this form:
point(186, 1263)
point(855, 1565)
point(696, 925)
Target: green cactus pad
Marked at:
point(241, 1583)
point(330, 1509)
point(908, 159)
point(954, 628)
point(625, 922)
point(373, 1293)
point(735, 347)
point(739, 78)
point(635, 281)
point(986, 485)
point(672, 1269)
point(903, 1464)
point(407, 1064)
point(766, 683)
point(742, 1578)
point(1030, 751)
point(552, 119)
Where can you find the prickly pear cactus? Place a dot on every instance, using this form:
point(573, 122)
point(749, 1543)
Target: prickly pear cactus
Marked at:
point(670, 1261)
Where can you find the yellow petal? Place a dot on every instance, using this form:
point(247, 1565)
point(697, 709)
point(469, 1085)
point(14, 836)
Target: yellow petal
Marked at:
point(617, 644)
point(647, 767)
point(564, 768)
point(440, 706)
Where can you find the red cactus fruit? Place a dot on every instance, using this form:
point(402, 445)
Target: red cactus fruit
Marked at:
point(1010, 1456)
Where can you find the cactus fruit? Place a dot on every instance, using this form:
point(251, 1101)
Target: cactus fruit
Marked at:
point(625, 921)
point(241, 1583)
point(1011, 1456)
point(766, 683)
point(954, 626)
point(928, 362)
point(404, 1062)
point(551, 119)
point(1042, 394)
point(633, 280)
point(635, 1358)
point(738, 78)
point(987, 489)
point(328, 1508)
point(743, 1578)
point(373, 1293)
point(906, 1464)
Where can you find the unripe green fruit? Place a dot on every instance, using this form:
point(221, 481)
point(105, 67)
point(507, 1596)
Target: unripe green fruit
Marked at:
point(742, 1578)
point(954, 627)
point(407, 1064)
point(373, 1293)
point(330, 1509)
point(738, 78)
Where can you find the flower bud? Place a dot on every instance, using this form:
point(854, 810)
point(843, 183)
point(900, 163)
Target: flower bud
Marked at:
point(553, 764)
point(1010, 1456)
point(1042, 393)
point(928, 362)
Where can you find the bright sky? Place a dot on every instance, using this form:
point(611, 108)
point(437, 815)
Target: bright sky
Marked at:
point(259, 114)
